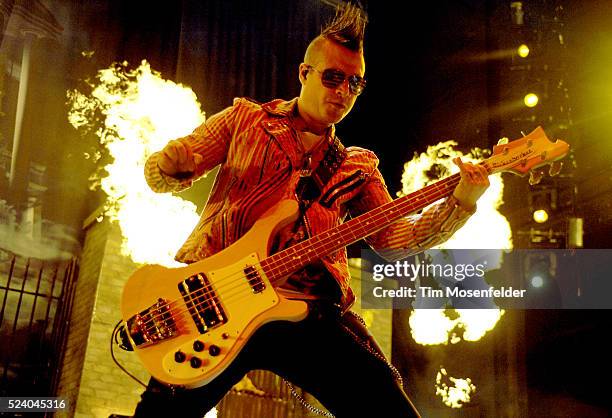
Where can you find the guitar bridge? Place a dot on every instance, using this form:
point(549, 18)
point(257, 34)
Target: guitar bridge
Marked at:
point(152, 325)
point(202, 302)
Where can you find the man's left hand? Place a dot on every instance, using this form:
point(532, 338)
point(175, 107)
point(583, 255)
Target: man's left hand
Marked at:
point(474, 181)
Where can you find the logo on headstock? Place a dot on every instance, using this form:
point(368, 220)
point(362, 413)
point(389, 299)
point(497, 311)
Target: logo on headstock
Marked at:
point(511, 159)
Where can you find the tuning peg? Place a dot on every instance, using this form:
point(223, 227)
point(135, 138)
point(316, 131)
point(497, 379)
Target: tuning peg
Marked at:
point(535, 177)
point(555, 168)
point(502, 141)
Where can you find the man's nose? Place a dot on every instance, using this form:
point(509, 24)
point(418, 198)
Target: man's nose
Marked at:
point(343, 89)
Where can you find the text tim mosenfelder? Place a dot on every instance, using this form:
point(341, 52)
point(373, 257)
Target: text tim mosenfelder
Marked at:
point(459, 272)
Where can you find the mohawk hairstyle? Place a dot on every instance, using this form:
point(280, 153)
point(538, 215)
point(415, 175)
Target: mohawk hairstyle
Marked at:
point(347, 28)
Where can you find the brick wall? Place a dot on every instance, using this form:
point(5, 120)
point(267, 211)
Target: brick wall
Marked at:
point(92, 383)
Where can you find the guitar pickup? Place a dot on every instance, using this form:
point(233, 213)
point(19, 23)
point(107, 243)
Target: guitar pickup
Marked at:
point(202, 302)
point(254, 279)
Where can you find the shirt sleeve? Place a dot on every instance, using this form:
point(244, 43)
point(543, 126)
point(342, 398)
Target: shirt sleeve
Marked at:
point(211, 140)
point(411, 234)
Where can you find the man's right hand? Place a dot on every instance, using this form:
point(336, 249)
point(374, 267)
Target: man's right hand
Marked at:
point(178, 160)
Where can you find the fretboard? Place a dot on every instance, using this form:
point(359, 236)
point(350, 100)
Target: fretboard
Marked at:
point(287, 261)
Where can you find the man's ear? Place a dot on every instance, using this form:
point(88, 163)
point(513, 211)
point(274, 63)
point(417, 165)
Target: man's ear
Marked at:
point(303, 72)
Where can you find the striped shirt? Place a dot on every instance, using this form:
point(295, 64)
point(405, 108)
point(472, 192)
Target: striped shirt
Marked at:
point(260, 156)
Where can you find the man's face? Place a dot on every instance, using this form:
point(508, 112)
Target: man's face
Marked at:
point(324, 105)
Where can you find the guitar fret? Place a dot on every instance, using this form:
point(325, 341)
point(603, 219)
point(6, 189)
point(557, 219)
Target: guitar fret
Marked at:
point(303, 253)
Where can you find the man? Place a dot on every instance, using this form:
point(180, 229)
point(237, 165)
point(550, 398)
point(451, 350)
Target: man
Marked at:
point(263, 150)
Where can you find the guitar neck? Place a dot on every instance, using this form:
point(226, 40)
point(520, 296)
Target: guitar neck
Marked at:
point(298, 256)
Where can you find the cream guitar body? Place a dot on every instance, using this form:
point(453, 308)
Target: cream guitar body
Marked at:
point(188, 324)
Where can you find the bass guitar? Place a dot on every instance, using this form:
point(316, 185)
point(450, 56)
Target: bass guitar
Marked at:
point(188, 324)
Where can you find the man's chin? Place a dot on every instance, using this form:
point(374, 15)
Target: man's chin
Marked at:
point(335, 117)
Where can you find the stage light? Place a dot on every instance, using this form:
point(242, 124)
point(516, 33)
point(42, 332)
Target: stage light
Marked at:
point(523, 51)
point(575, 232)
point(517, 12)
point(540, 216)
point(537, 281)
point(540, 268)
point(531, 100)
point(542, 202)
point(541, 276)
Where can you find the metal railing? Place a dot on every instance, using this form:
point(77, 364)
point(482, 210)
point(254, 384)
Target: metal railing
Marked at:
point(35, 305)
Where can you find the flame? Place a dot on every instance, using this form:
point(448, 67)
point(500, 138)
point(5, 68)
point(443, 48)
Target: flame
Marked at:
point(477, 322)
point(430, 326)
point(456, 395)
point(439, 158)
point(435, 326)
point(211, 414)
point(139, 112)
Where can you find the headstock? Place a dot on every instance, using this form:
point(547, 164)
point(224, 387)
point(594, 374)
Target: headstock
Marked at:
point(527, 154)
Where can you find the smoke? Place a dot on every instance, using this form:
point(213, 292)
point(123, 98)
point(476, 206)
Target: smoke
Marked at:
point(30, 238)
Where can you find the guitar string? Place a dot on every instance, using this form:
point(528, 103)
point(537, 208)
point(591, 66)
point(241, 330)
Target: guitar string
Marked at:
point(240, 273)
point(444, 184)
point(433, 191)
point(428, 192)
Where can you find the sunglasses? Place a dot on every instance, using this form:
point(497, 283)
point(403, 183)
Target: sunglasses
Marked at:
point(332, 78)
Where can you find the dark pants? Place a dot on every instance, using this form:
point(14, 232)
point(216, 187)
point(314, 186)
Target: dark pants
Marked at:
point(321, 354)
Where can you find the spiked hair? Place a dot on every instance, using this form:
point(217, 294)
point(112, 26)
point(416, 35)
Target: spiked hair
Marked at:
point(347, 28)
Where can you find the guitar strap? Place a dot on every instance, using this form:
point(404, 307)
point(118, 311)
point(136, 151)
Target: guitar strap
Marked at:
point(312, 181)
point(327, 167)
